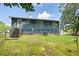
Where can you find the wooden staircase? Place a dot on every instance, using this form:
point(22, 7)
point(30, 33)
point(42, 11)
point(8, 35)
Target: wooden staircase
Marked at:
point(15, 33)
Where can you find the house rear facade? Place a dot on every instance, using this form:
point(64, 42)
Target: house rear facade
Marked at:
point(30, 25)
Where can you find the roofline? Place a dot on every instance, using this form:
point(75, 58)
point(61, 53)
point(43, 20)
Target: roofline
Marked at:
point(33, 18)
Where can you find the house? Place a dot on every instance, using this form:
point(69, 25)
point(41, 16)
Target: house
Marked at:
point(31, 25)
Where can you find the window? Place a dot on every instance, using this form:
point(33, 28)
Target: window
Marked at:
point(39, 22)
point(19, 21)
point(54, 23)
point(47, 23)
point(27, 21)
point(32, 21)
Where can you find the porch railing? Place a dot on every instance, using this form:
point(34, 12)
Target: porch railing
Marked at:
point(39, 28)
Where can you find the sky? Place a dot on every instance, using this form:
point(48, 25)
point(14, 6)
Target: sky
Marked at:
point(42, 11)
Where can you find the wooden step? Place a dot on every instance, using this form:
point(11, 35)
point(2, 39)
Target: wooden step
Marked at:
point(15, 33)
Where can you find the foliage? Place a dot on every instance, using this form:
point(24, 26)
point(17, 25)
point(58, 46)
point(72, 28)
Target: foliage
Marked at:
point(26, 6)
point(3, 26)
point(70, 16)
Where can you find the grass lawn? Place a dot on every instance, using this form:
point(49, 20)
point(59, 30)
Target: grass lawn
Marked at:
point(39, 45)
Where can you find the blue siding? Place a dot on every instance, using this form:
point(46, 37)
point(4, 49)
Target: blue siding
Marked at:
point(28, 28)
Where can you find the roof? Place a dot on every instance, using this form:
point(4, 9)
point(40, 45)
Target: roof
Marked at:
point(33, 18)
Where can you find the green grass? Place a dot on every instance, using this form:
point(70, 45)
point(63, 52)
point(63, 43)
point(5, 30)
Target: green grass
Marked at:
point(39, 45)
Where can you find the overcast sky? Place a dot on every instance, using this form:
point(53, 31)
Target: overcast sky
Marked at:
point(45, 11)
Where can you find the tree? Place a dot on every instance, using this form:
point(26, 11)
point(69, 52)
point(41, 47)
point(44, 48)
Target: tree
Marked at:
point(3, 26)
point(70, 15)
point(26, 6)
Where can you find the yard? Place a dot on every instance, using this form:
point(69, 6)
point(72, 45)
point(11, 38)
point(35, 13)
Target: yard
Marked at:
point(39, 45)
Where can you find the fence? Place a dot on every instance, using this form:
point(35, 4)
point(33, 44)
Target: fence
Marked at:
point(5, 35)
